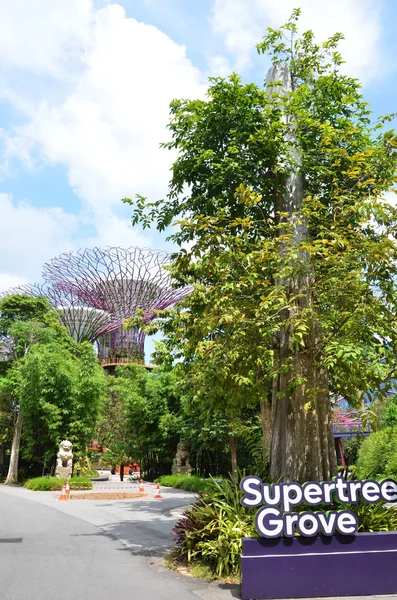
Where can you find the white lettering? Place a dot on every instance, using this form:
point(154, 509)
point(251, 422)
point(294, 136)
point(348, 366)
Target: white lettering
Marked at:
point(290, 519)
point(263, 522)
point(354, 487)
point(312, 493)
point(388, 490)
point(347, 522)
point(292, 495)
point(327, 521)
point(251, 487)
point(267, 497)
point(328, 487)
point(341, 486)
point(370, 491)
point(312, 528)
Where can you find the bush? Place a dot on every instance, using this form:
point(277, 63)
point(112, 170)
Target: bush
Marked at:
point(51, 484)
point(377, 455)
point(83, 464)
point(210, 533)
point(351, 448)
point(189, 483)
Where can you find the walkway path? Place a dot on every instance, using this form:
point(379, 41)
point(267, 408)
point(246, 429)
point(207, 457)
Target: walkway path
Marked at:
point(107, 550)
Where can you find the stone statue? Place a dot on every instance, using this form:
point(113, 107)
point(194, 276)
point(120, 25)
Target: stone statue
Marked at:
point(64, 460)
point(180, 464)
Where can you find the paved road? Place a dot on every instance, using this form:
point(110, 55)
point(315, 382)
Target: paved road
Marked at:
point(109, 551)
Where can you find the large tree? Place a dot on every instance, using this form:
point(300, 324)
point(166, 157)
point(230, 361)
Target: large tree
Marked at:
point(301, 258)
point(53, 386)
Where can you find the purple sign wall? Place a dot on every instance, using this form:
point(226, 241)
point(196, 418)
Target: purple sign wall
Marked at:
point(302, 567)
point(316, 553)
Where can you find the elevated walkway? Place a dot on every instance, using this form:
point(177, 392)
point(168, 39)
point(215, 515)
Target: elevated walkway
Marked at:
point(115, 362)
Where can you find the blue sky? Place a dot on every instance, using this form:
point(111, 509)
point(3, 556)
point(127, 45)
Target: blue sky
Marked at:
point(84, 94)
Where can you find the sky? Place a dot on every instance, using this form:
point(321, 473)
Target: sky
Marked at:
point(85, 88)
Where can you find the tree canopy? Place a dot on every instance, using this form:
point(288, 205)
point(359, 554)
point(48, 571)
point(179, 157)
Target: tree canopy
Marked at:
point(280, 193)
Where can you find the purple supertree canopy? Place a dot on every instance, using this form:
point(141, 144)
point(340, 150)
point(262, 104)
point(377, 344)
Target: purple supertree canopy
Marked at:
point(95, 290)
point(82, 322)
point(116, 282)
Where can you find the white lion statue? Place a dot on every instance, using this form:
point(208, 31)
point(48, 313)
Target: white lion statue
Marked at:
point(64, 460)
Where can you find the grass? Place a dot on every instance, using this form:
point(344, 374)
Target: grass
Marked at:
point(197, 570)
point(51, 484)
point(189, 483)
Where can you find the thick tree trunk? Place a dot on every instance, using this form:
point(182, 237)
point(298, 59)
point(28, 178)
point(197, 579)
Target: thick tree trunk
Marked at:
point(12, 476)
point(302, 447)
point(233, 455)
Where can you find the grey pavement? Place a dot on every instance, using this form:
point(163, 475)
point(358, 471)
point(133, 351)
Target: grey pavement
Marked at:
point(99, 549)
point(93, 549)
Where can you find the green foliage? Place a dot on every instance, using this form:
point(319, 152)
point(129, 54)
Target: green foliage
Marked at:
point(49, 484)
point(374, 517)
point(142, 416)
point(390, 411)
point(83, 465)
point(60, 394)
point(351, 448)
point(23, 308)
point(281, 295)
point(377, 456)
point(211, 531)
point(189, 483)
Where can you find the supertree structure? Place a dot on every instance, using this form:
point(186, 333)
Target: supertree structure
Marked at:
point(82, 321)
point(116, 282)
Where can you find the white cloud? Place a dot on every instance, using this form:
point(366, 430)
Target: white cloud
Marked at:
point(29, 236)
point(219, 66)
point(92, 89)
point(112, 230)
point(8, 281)
point(44, 36)
point(107, 125)
point(243, 24)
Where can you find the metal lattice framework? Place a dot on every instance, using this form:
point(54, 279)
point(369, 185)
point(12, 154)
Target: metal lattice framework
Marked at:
point(96, 289)
point(116, 280)
point(82, 322)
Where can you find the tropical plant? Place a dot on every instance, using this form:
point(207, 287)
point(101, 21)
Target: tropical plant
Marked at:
point(25, 321)
point(377, 454)
point(212, 530)
point(292, 256)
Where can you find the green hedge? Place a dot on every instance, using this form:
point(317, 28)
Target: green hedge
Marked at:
point(377, 457)
point(50, 484)
point(189, 483)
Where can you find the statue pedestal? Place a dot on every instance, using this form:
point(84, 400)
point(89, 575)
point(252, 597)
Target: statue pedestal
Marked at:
point(63, 472)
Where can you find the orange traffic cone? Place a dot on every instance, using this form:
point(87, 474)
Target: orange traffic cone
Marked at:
point(158, 495)
point(67, 490)
point(141, 488)
point(63, 494)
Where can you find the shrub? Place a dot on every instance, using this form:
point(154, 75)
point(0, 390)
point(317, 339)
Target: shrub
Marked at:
point(377, 455)
point(50, 484)
point(189, 483)
point(351, 448)
point(211, 531)
point(83, 464)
